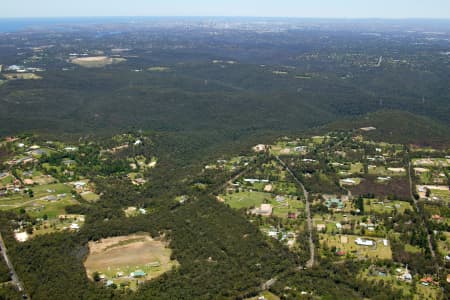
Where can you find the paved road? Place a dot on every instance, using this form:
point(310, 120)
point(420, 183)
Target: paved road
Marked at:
point(15, 279)
point(230, 181)
point(310, 262)
point(268, 284)
point(418, 211)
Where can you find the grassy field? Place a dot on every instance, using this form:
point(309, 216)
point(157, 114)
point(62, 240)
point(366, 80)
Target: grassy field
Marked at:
point(55, 225)
point(38, 206)
point(90, 196)
point(444, 246)
point(426, 292)
point(6, 180)
point(441, 194)
point(421, 293)
point(430, 162)
point(388, 207)
point(318, 139)
point(348, 245)
point(356, 168)
point(22, 76)
point(127, 254)
point(389, 279)
point(43, 179)
point(247, 199)
point(254, 199)
point(412, 249)
point(331, 220)
point(96, 61)
point(426, 178)
point(383, 171)
point(279, 188)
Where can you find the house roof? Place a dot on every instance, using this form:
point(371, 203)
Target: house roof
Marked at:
point(138, 273)
point(426, 279)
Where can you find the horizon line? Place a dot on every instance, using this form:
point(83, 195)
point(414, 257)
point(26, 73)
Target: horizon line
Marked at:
point(236, 17)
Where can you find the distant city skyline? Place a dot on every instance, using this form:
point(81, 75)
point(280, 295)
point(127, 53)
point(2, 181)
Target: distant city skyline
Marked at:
point(390, 9)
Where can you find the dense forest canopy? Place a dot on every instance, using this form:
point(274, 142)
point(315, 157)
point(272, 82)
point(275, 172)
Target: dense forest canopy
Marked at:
point(281, 76)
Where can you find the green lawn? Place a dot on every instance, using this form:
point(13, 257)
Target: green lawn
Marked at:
point(444, 246)
point(412, 249)
point(379, 251)
point(255, 199)
point(441, 194)
point(391, 280)
point(38, 206)
point(387, 207)
point(430, 162)
point(331, 220)
point(247, 199)
point(426, 292)
point(356, 168)
point(318, 139)
point(383, 171)
point(55, 225)
point(282, 210)
point(421, 293)
point(7, 180)
point(48, 167)
point(285, 188)
point(426, 178)
point(90, 196)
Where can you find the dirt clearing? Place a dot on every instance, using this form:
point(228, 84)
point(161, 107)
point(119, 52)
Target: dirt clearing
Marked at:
point(118, 257)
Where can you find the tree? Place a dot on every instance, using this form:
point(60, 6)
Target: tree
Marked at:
point(30, 230)
point(96, 276)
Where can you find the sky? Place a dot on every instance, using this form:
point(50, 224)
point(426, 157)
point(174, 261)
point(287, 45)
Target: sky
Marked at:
point(252, 8)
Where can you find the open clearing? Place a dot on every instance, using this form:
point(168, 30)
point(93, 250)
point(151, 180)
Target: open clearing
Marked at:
point(90, 196)
point(21, 76)
point(50, 200)
point(117, 257)
point(281, 208)
point(372, 205)
point(348, 245)
point(442, 162)
point(158, 69)
point(96, 61)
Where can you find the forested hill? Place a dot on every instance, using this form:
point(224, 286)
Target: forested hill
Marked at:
point(239, 82)
point(398, 127)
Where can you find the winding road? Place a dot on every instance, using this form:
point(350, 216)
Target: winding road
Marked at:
point(14, 277)
point(310, 262)
point(433, 254)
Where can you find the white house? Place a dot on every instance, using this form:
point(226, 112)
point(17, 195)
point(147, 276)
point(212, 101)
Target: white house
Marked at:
point(348, 181)
point(263, 210)
point(364, 242)
point(260, 148)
